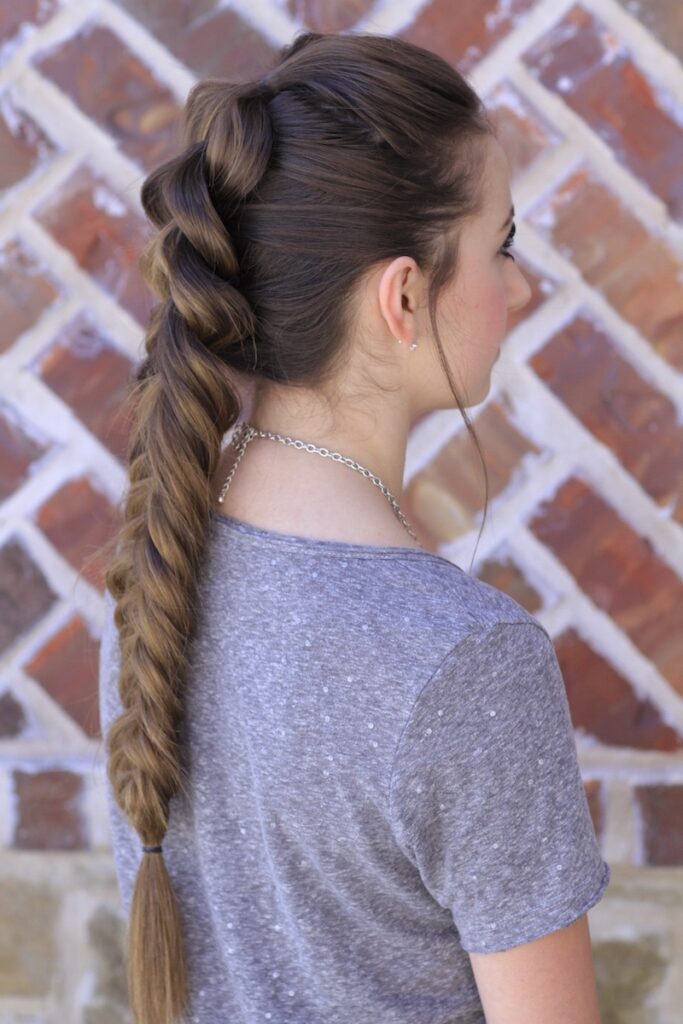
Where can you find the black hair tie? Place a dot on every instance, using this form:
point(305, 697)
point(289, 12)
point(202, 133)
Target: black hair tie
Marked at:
point(152, 849)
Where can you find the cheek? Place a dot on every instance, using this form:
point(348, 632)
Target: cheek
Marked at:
point(490, 304)
point(478, 305)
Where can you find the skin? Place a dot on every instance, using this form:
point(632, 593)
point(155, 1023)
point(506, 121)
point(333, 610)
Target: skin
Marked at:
point(278, 487)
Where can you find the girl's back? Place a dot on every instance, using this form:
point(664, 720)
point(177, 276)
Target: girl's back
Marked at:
point(383, 779)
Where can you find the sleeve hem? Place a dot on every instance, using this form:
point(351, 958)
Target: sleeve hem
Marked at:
point(515, 934)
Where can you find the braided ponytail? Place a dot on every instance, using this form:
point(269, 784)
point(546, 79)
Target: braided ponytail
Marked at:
point(353, 150)
point(184, 406)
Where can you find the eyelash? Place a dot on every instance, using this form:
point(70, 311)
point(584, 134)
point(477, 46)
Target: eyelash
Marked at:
point(508, 242)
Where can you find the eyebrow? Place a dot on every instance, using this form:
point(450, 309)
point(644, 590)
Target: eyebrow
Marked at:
point(509, 218)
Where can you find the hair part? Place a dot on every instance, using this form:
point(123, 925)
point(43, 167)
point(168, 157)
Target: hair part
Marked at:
point(353, 149)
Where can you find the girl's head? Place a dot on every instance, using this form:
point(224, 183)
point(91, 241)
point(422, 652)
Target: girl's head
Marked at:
point(355, 194)
point(481, 286)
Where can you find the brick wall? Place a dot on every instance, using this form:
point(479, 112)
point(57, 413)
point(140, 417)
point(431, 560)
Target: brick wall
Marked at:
point(582, 429)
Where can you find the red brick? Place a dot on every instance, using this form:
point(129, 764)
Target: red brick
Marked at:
point(26, 291)
point(618, 570)
point(12, 716)
point(104, 236)
point(209, 40)
point(638, 423)
point(329, 15)
point(463, 38)
point(20, 449)
point(602, 701)
point(582, 61)
point(661, 812)
point(664, 18)
point(25, 594)
point(442, 499)
point(48, 811)
point(19, 20)
point(112, 86)
point(224, 44)
point(77, 520)
point(167, 19)
point(67, 668)
point(503, 574)
point(92, 376)
point(635, 271)
point(522, 130)
point(24, 146)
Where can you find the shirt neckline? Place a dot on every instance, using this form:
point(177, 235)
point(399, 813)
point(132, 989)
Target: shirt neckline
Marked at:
point(341, 548)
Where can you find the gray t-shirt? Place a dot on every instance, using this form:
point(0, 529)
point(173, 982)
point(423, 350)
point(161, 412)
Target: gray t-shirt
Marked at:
point(383, 777)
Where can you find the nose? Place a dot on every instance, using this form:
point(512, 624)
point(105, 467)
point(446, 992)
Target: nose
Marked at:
point(521, 293)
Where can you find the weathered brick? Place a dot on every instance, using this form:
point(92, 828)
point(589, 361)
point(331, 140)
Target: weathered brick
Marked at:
point(225, 44)
point(92, 375)
point(25, 594)
point(664, 18)
point(48, 808)
point(162, 17)
point(168, 19)
point(66, 667)
point(639, 424)
point(24, 146)
point(106, 939)
point(28, 949)
point(103, 234)
point(464, 38)
point(636, 272)
point(12, 716)
point(26, 290)
point(443, 497)
point(20, 449)
point(632, 972)
point(661, 812)
point(19, 20)
point(112, 86)
point(504, 574)
point(522, 130)
point(329, 15)
point(618, 570)
point(602, 701)
point(78, 519)
point(619, 256)
point(208, 39)
point(586, 64)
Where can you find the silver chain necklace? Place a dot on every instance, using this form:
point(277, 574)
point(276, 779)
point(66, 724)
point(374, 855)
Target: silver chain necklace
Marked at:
point(244, 433)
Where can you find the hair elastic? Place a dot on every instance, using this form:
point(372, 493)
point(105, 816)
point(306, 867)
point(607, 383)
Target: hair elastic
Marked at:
point(152, 849)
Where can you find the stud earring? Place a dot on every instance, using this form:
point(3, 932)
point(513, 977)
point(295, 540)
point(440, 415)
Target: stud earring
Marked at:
point(411, 347)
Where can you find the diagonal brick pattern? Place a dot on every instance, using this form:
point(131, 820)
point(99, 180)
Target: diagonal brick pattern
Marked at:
point(582, 429)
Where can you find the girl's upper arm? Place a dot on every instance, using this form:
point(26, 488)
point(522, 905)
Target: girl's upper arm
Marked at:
point(487, 798)
point(549, 979)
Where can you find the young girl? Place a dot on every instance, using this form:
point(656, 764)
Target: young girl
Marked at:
point(342, 776)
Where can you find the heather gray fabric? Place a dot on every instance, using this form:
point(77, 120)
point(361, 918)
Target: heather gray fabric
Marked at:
point(383, 776)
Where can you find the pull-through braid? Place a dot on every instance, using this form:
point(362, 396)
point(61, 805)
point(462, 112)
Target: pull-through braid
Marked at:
point(286, 195)
point(184, 406)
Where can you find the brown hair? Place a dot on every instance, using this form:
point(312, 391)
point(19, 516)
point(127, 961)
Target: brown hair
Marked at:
point(353, 149)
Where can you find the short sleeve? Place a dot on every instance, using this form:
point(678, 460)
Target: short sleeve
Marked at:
point(486, 795)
